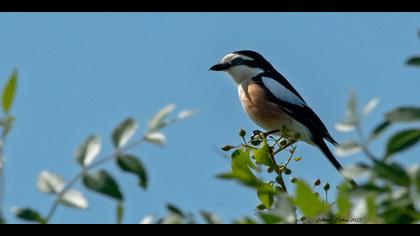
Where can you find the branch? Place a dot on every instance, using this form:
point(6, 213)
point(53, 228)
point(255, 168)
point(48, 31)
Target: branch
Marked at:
point(363, 143)
point(94, 165)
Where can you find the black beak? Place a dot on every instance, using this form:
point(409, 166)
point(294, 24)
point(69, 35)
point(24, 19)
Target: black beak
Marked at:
point(220, 67)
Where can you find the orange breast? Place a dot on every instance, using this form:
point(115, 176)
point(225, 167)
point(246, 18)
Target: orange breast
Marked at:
point(266, 114)
point(269, 115)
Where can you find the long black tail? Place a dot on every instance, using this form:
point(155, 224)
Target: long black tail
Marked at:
point(324, 148)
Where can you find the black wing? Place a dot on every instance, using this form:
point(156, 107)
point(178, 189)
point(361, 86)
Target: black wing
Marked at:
point(299, 112)
point(283, 81)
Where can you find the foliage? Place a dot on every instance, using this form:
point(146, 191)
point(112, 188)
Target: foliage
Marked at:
point(6, 123)
point(87, 155)
point(414, 60)
point(388, 191)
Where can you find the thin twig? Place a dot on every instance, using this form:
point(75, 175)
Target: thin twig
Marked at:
point(60, 195)
point(94, 165)
point(279, 174)
point(2, 181)
point(292, 153)
point(326, 197)
point(363, 142)
point(289, 143)
point(247, 146)
point(282, 184)
point(2, 176)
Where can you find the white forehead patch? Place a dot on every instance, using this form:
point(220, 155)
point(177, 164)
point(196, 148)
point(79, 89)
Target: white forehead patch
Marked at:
point(229, 57)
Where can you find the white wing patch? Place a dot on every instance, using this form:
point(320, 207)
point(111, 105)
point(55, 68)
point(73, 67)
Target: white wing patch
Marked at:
point(281, 92)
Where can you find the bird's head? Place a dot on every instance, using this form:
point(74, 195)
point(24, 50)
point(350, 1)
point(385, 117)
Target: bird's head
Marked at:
point(243, 65)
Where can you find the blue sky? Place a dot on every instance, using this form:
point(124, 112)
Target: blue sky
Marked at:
point(84, 73)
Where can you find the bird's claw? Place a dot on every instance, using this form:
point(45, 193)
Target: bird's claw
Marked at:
point(257, 133)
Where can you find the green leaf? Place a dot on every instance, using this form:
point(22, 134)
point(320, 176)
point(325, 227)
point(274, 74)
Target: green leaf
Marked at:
point(404, 114)
point(241, 164)
point(132, 164)
point(270, 218)
point(400, 209)
point(352, 104)
point(244, 178)
point(174, 210)
point(345, 126)
point(124, 132)
point(28, 214)
point(370, 188)
point(245, 221)
point(50, 183)
point(155, 138)
point(242, 159)
point(379, 129)
point(309, 203)
point(102, 182)
point(210, 218)
point(172, 219)
point(348, 148)
point(417, 179)
point(371, 208)
point(266, 194)
point(394, 215)
point(7, 124)
point(159, 119)
point(74, 198)
point(184, 114)
point(120, 212)
point(414, 173)
point(283, 208)
point(402, 141)
point(147, 220)
point(351, 118)
point(262, 155)
point(370, 106)
point(413, 61)
point(88, 151)
point(393, 173)
point(360, 208)
point(356, 170)
point(343, 201)
point(9, 92)
point(2, 220)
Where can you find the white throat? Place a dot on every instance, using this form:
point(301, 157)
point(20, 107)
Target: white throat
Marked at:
point(243, 73)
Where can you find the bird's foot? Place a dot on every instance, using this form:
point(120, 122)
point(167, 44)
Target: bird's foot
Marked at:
point(271, 132)
point(258, 133)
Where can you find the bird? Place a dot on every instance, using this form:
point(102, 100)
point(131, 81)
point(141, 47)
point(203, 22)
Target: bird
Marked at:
point(274, 104)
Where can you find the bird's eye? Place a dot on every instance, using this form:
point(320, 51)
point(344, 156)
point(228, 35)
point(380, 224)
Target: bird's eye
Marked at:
point(237, 61)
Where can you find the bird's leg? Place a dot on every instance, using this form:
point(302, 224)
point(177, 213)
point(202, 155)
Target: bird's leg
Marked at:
point(257, 133)
point(271, 132)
